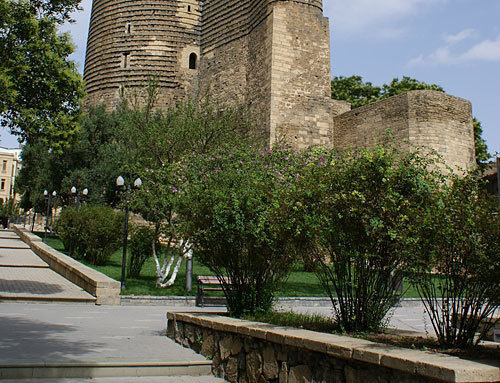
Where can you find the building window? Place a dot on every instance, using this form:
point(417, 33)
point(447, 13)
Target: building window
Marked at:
point(128, 29)
point(4, 166)
point(193, 61)
point(189, 8)
point(125, 59)
point(2, 185)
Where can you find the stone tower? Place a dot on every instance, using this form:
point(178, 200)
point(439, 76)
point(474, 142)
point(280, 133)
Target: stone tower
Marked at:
point(131, 40)
point(271, 55)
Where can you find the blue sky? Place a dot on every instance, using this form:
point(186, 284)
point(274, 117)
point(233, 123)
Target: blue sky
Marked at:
point(453, 43)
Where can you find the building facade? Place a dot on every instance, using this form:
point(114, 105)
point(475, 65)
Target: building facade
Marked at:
point(272, 56)
point(10, 164)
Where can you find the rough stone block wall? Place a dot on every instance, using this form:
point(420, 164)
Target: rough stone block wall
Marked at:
point(258, 96)
point(300, 77)
point(368, 125)
point(130, 41)
point(443, 123)
point(245, 359)
point(429, 119)
point(274, 57)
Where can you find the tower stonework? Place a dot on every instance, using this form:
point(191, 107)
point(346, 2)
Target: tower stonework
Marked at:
point(130, 41)
point(272, 56)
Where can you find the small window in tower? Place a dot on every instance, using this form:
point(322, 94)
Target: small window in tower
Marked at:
point(128, 28)
point(189, 8)
point(193, 61)
point(2, 186)
point(125, 59)
point(4, 166)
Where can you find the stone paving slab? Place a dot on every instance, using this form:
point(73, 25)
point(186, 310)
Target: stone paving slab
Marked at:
point(13, 243)
point(144, 379)
point(6, 234)
point(38, 283)
point(55, 333)
point(20, 258)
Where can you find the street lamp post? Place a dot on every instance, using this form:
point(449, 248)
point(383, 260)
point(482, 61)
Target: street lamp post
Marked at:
point(79, 197)
point(120, 182)
point(498, 180)
point(48, 197)
point(189, 270)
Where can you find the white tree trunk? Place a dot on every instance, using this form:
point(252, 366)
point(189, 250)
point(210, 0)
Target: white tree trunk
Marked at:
point(163, 271)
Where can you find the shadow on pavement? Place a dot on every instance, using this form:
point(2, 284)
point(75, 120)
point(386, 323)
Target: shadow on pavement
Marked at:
point(30, 287)
point(24, 339)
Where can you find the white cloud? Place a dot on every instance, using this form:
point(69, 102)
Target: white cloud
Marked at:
point(487, 50)
point(376, 17)
point(460, 36)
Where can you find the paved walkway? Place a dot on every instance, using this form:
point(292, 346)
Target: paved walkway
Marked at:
point(24, 276)
point(76, 334)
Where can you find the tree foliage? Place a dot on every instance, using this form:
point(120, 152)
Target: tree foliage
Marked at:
point(94, 232)
point(93, 160)
point(358, 93)
point(40, 89)
point(228, 207)
point(351, 215)
point(457, 261)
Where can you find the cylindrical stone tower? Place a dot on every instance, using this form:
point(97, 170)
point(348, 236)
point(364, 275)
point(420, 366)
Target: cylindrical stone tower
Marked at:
point(130, 41)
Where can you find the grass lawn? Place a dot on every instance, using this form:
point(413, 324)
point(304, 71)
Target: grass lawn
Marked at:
point(299, 284)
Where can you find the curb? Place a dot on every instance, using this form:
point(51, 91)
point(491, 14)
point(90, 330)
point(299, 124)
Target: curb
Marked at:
point(179, 301)
point(103, 369)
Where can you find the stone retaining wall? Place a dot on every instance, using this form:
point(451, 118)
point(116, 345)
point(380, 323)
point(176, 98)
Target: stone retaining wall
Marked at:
point(244, 351)
point(105, 289)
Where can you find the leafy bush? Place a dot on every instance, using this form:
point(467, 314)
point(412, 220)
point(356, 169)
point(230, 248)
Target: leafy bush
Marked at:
point(457, 265)
point(350, 214)
point(141, 248)
point(67, 229)
point(95, 231)
point(229, 215)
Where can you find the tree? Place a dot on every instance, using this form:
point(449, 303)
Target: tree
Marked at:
point(94, 159)
point(357, 92)
point(160, 140)
point(230, 214)
point(349, 215)
point(40, 89)
point(456, 261)
point(482, 155)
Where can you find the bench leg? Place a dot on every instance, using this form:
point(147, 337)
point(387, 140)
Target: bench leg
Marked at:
point(199, 296)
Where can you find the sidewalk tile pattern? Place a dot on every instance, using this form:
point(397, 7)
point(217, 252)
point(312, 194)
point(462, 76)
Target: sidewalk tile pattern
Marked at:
point(20, 258)
point(25, 276)
point(37, 283)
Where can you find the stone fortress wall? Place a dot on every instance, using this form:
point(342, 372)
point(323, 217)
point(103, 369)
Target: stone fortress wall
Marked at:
point(270, 55)
point(422, 118)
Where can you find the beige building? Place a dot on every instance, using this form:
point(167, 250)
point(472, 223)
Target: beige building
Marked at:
point(10, 164)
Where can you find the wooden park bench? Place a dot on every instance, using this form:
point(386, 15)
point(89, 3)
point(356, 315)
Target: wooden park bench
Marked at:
point(209, 284)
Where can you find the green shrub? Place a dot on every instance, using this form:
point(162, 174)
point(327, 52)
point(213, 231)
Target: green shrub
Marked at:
point(95, 232)
point(350, 216)
point(456, 267)
point(67, 229)
point(141, 249)
point(228, 209)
